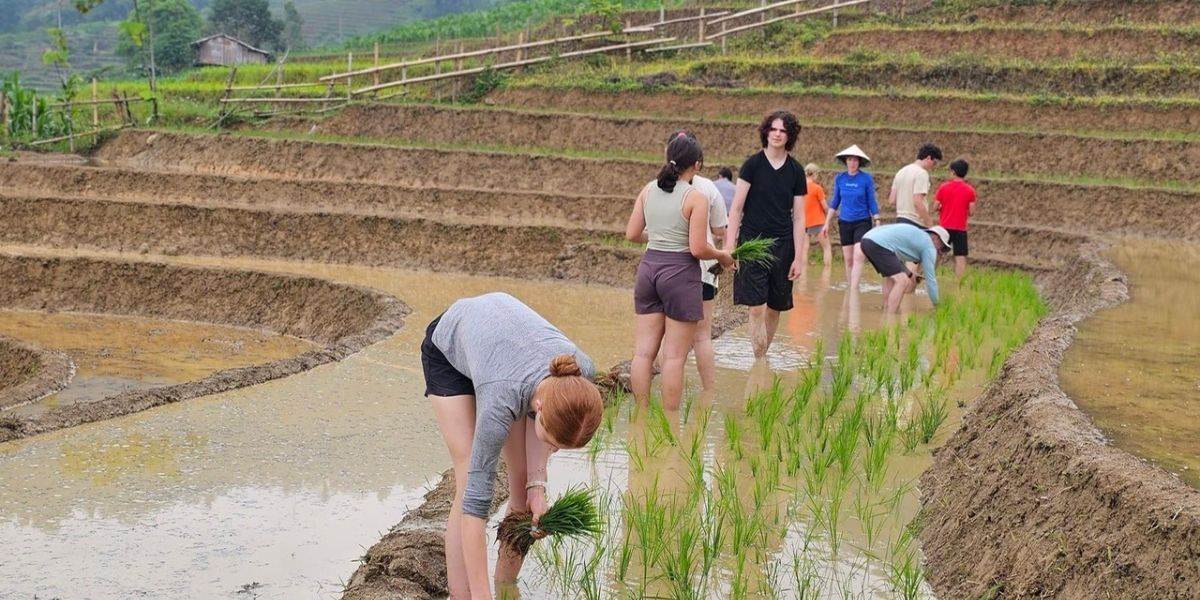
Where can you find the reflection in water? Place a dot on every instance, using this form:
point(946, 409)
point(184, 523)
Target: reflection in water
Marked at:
point(1134, 368)
point(282, 484)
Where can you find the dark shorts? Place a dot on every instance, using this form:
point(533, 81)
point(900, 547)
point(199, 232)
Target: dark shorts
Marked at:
point(958, 241)
point(909, 222)
point(669, 283)
point(814, 230)
point(441, 378)
point(755, 285)
point(885, 261)
point(852, 232)
point(710, 292)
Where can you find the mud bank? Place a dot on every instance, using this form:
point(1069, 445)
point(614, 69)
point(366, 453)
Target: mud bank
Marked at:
point(1148, 211)
point(1100, 12)
point(1152, 160)
point(1029, 485)
point(308, 195)
point(1030, 44)
point(28, 372)
point(528, 252)
point(342, 319)
point(593, 256)
point(868, 108)
point(1063, 80)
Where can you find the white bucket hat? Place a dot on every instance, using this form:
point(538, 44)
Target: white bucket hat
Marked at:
point(854, 150)
point(942, 234)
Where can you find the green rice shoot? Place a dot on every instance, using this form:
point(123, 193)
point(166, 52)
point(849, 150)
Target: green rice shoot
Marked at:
point(574, 514)
point(755, 252)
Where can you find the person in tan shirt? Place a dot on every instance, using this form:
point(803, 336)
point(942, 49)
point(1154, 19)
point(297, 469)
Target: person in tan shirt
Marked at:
point(910, 188)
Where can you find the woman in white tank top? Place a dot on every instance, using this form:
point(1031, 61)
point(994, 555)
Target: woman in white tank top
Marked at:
point(671, 217)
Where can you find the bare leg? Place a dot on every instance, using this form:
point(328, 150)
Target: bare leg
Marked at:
point(826, 248)
point(857, 259)
point(706, 361)
point(648, 334)
point(456, 418)
point(896, 293)
point(960, 266)
point(771, 326)
point(676, 342)
point(508, 564)
point(758, 330)
point(848, 258)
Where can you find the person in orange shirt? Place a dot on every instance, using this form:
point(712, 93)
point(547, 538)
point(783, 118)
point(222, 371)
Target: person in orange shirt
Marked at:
point(815, 209)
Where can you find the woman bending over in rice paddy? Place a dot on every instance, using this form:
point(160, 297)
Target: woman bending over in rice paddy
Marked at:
point(671, 217)
point(502, 379)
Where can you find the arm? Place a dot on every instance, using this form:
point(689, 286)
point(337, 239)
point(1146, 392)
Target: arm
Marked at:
point(635, 230)
point(891, 197)
point(492, 422)
point(695, 210)
point(735, 214)
point(928, 268)
point(922, 210)
point(872, 204)
point(537, 454)
point(798, 237)
point(833, 207)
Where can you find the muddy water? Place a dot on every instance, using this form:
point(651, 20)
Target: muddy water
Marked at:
point(114, 354)
point(270, 491)
point(1135, 368)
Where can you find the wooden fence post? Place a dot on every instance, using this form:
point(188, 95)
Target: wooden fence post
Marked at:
point(458, 66)
point(278, 79)
point(4, 114)
point(701, 34)
point(723, 36)
point(520, 42)
point(835, 14)
point(662, 12)
point(349, 79)
point(95, 106)
point(376, 63)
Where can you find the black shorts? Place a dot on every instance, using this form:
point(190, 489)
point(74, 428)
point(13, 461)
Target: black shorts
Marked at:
point(709, 293)
point(909, 222)
point(885, 261)
point(958, 241)
point(755, 285)
point(852, 232)
point(441, 378)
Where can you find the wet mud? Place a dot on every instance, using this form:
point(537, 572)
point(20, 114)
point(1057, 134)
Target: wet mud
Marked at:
point(892, 110)
point(29, 372)
point(729, 142)
point(340, 319)
point(1046, 506)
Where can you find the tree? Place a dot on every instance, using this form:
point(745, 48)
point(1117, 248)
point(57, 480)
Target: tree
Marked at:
point(293, 25)
point(247, 20)
point(175, 25)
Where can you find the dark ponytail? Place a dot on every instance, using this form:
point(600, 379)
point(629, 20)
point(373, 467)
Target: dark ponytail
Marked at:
point(682, 153)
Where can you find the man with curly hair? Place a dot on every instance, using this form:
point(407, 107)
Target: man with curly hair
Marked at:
point(768, 202)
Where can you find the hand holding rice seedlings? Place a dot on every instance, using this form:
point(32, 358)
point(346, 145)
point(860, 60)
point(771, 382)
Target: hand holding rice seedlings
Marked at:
point(574, 514)
point(751, 252)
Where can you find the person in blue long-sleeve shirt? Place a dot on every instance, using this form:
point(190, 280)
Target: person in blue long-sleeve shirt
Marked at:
point(853, 202)
point(890, 246)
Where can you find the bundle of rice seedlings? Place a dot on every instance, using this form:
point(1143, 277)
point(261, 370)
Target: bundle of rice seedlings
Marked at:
point(574, 514)
point(756, 251)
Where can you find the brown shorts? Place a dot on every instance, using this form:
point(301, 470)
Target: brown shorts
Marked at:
point(669, 283)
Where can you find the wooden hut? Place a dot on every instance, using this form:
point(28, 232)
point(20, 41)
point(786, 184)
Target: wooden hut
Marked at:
point(222, 49)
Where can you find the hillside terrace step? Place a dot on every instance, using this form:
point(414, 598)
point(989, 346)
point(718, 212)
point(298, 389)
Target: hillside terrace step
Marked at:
point(889, 148)
point(1014, 41)
point(947, 110)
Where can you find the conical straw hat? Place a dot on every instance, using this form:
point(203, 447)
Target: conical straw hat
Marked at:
point(854, 150)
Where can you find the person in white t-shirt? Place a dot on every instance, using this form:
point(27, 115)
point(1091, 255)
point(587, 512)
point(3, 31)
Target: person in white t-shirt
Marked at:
point(910, 188)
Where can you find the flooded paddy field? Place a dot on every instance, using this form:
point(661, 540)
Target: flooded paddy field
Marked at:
point(274, 488)
point(1134, 368)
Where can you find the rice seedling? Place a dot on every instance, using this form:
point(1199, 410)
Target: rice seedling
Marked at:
point(756, 251)
point(574, 514)
point(933, 413)
point(733, 434)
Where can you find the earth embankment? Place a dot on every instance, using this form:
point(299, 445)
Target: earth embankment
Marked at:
point(341, 319)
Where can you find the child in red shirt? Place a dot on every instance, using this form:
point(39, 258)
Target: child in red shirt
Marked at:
point(956, 201)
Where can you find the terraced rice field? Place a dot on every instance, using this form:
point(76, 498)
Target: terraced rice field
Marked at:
point(334, 230)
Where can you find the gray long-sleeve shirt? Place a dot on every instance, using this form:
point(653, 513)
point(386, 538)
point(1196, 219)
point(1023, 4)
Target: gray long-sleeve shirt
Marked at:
point(505, 348)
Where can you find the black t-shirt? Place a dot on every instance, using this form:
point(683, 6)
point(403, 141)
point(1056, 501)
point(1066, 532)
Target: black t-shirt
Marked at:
point(768, 208)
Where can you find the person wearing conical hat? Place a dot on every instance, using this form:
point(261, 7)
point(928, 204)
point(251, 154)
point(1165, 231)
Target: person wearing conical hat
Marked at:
point(853, 203)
